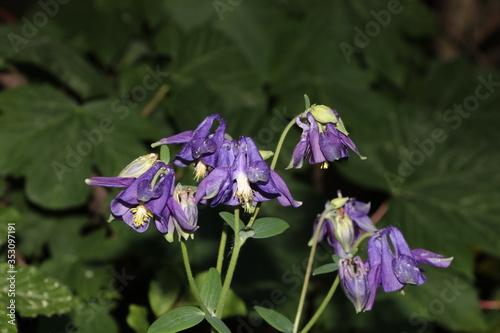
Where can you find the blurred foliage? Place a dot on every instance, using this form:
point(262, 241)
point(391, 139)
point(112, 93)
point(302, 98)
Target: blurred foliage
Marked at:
point(104, 79)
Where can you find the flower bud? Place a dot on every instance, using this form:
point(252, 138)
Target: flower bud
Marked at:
point(139, 166)
point(323, 114)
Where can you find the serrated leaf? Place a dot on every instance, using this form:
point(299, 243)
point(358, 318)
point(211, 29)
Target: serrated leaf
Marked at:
point(275, 319)
point(229, 218)
point(34, 293)
point(266, 227)
point(67, 65)
point(218, 324)
point(177, 320)
point(137, 318)
point(327, 268)
point(54, 142)
point(212, 287)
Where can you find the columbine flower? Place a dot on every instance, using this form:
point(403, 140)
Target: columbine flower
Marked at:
point(144, 198)
point(244, 178)
point(324, 138)
point(399, 267)
point(345, 219)
point(200, 146)
point(182, 213)
point(357, 282)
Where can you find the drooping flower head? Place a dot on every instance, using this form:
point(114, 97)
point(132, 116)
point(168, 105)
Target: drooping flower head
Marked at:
point(243, 179)
point(357, 282)
point(344, 220)
point(181, 213)
point(200, 146)
point(145, 194)
point(399, 266)
point(324, 137)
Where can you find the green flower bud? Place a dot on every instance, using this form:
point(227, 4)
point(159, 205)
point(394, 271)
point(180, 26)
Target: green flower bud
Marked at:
point(138, 166)
point(323, 114)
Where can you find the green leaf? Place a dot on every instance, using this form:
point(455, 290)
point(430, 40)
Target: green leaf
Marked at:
point(266, 227)
point(177, 320)
point(212, 287)
point(35, 294)
point(137, 318)
point(65, 64)
point(229, 218)
point(327, 268)
point(447, 298)
point(54, 142)
point(275, 319)
point(163, 293)
point(8, 219)
point(94, 316)
point(218, 324)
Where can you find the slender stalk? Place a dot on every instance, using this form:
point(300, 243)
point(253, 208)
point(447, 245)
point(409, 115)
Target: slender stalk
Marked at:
point(160, 94)
point(222, 247)
point(308, 273)
point(273, 165)
point(232, 265)
point(322, 307)
point(189, 273)
point(280, 143)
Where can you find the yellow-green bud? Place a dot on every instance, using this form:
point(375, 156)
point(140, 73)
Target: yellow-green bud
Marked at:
point(138, 166)
point(323, 114)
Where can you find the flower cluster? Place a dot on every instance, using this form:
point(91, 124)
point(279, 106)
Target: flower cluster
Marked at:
point(324, 137)
point(391, 263)
point(232, 172)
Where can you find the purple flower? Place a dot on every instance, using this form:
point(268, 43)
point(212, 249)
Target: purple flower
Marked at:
point(181, 213)
point(324, 138)
point(144, 197)
point(200, 146)
point(345, 220)
point(399, 266)
point(243, 178)
point(357, 282)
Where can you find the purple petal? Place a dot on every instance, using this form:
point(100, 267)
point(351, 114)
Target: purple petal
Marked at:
point(397, 239)
point(179, 215)
point(431, 258)
point(332, 147)
point(285, 198)
point(388, 278)
point(110, 181)
point(316, 153)
point(178, 138)
point(211, 185)
point(406, 270)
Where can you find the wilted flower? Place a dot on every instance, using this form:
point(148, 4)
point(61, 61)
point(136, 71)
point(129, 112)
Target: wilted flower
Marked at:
point(357, 282)
point(324, 138)
point(345, 219)
point(244, 178)
point(399, 267)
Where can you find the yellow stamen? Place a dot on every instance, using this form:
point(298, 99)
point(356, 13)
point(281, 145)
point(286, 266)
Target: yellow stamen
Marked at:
point(324, 165)
point(142, 215)
point(200, 170)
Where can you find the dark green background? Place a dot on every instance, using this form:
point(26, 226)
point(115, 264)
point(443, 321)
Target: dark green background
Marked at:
point(77, 76)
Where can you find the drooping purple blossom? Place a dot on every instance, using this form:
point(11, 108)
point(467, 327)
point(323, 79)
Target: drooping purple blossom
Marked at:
point(182, 213)
point(344, 221)
point(200, 146)
point(399, 266)
point(358, 283)
point(323, 138)
point(243, 178)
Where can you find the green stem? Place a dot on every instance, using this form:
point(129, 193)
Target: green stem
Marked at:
point(273, 165)
point(322, 307)
point(222, 247)
point(232, 265)
point(308, 273)
point(280, 143)
point(189, 273)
